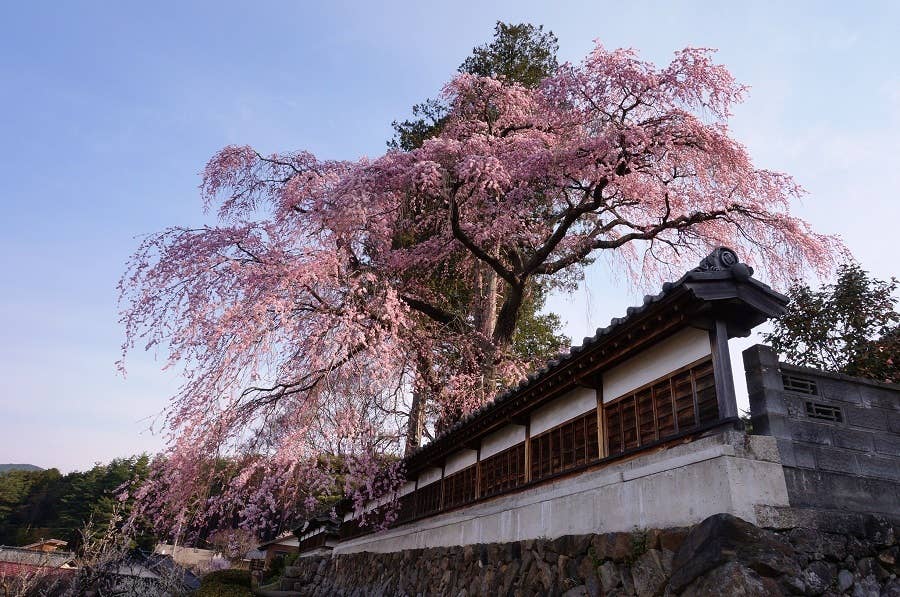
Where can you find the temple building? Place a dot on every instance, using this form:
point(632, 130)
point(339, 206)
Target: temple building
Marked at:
point(637, 427)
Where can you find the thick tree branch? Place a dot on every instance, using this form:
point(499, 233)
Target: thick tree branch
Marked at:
point(477, 251)
point(642, 233)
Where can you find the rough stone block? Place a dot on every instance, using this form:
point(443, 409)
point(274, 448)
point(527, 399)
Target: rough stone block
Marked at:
point(650, 572)
point(722, 539)
point(853, 439)
point(671, 539)
point(818, 545)
point(614, 546)
point(831, 459)
point(818, 576)
point(868, 418)
point(887, 444)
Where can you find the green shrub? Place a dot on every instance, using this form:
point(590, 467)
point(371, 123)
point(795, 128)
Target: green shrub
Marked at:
point(225, 583)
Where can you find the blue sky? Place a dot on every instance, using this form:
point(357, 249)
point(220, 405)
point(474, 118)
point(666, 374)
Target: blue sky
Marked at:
point(109, 110)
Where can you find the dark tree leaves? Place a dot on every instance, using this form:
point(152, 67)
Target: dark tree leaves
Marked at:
point(850, 326)
point(520, 53)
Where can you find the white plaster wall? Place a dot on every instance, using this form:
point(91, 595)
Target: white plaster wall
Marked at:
point(500, 440)
point(683, 348)
point(577, 402)
point(429, 476)
point(408, 487)
point(679, 486)
point(459, 460)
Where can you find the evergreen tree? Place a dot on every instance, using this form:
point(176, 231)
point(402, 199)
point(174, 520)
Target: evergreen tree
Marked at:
point(850, 326)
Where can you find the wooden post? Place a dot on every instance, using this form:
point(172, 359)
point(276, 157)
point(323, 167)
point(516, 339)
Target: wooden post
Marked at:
point(718, 338)
point(602, 448)
point(528, 450)
point(478, 471)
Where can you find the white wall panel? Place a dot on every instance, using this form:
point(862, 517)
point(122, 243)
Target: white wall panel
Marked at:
point(674, 352)
point(577, 402)
point(429, 476)
point(459, 460)
point(500, 440)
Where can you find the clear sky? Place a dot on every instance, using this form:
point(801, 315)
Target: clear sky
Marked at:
point(109, 110)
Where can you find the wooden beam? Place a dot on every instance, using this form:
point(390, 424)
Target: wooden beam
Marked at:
point(718, 339)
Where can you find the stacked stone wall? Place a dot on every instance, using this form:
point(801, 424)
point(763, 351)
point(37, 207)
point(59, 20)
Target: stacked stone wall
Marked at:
point(848, 554)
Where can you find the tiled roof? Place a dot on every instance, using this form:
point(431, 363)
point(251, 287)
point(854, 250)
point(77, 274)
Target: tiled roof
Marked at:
point(33, 557)
point(720, 265)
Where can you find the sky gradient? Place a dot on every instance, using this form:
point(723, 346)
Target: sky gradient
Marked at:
point(108, 112)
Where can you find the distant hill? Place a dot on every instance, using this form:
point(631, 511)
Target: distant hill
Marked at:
point(19, 467)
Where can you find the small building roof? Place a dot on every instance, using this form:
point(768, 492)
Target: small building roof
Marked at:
point(36, 557)
point(323, 520)
point(285, 538)
point(43, 543)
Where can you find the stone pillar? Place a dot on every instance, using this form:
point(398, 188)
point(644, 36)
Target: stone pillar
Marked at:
point(768, 410)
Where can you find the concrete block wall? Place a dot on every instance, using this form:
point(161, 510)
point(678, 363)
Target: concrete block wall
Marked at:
point(849, 464)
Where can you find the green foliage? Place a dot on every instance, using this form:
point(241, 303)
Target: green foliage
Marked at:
point(45, 504)
point(426, 122)
point(225, 583)
point(520, 53)
point(639, 540)
point(537, 338)
point(850, 326)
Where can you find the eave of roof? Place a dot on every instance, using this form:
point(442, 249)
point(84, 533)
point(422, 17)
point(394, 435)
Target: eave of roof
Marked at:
point(719, 288)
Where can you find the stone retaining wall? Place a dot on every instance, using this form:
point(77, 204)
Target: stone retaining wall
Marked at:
point(838, 554)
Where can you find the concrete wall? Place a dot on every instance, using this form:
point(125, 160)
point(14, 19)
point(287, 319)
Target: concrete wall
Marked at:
point(849, 464)
point(678, 486)
point(577, 402)
point(675, 352)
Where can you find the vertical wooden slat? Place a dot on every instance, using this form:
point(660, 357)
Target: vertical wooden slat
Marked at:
point(674, 409)
point(602, 448)
point(528, 454)
point(478, 471)
point(696, 401)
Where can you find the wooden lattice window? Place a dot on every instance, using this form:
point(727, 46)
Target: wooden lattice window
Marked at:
point(428, 499)
point(565, 447)
point(800, 385)
point(825, 412)
point(669, 405)
point(504, 470)
point(705, 387)
point(459, 488)
point(406, 507)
